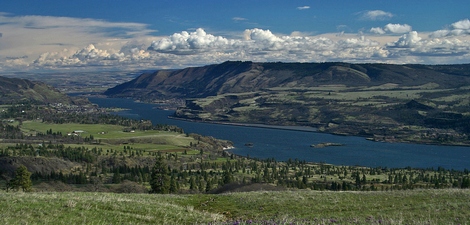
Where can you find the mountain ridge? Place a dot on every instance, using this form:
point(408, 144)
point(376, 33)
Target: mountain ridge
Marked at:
point(238, 77)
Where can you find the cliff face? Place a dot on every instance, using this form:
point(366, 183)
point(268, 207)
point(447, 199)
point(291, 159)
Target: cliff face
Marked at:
point(239, 77)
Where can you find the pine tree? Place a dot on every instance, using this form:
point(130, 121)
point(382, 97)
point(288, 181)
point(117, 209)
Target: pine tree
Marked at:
point(173, 184)
point(159, 179)
point(208, 185)
point(117, 177)
point(22, 179)
point(227, 177)
point(192, 183)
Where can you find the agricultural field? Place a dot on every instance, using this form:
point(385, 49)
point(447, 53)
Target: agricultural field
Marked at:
point(449, 206)
point(113, 136)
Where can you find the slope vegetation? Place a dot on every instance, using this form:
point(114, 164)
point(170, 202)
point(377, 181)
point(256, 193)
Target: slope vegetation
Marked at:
point(15, 90)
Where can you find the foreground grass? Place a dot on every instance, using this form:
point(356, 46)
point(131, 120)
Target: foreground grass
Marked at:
point(449, 206)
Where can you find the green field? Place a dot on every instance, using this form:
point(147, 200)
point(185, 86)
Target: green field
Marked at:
point(114, 136)
point(448, 206)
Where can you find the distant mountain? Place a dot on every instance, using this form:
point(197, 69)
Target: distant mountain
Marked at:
point(14, 90)
point(239, 77)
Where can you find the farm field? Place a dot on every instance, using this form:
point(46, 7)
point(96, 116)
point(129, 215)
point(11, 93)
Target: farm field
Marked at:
point(113, 136)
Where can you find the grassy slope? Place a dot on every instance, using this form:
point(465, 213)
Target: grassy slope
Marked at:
point(449, 206)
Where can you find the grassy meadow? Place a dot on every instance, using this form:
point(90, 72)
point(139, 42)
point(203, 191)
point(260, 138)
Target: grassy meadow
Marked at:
point(448, 206)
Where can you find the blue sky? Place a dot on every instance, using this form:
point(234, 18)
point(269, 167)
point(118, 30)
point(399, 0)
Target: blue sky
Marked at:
point(112, 34)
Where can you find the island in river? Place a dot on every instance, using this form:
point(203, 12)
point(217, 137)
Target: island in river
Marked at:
point(325, 144)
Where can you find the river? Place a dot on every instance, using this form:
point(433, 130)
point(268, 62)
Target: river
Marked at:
point(283, 144)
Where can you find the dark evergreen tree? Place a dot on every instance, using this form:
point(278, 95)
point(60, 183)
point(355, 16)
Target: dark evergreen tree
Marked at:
point(173, 184)
point(227, 177)
point(117, 177)
point(159, 179)
point(465, 182)
point(192, 183)
point(208, 185)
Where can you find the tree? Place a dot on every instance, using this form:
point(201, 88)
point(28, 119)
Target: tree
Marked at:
point(173, 184)
point(117, 177)
point(22, 179)
point(227, 177)
point(192, 183)
point(159, 179)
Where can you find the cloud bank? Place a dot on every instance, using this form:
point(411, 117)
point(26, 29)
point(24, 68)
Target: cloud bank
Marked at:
point(88, 44)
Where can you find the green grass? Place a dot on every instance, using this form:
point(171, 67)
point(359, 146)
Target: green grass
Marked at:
point(110, 131)
point(97, 208)
point(112, 136)
point(448, 206)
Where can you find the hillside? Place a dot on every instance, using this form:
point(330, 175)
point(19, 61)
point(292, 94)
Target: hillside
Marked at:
point(448, 206)
point(239, 77)
point(15, 90)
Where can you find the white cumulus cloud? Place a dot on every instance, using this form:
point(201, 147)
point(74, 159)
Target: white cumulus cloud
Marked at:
point(185, 42)
point(412, 44)
point(262, 45)
point(458, 28)
point(411, 39)
point(397, 28)
point(392, 29)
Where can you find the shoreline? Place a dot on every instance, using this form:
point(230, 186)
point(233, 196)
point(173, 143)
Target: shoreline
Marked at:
point(315, 130)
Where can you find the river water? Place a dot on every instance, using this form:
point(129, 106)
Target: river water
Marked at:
point(283, 144)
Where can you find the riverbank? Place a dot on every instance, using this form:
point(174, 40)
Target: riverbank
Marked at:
point(374, 138)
